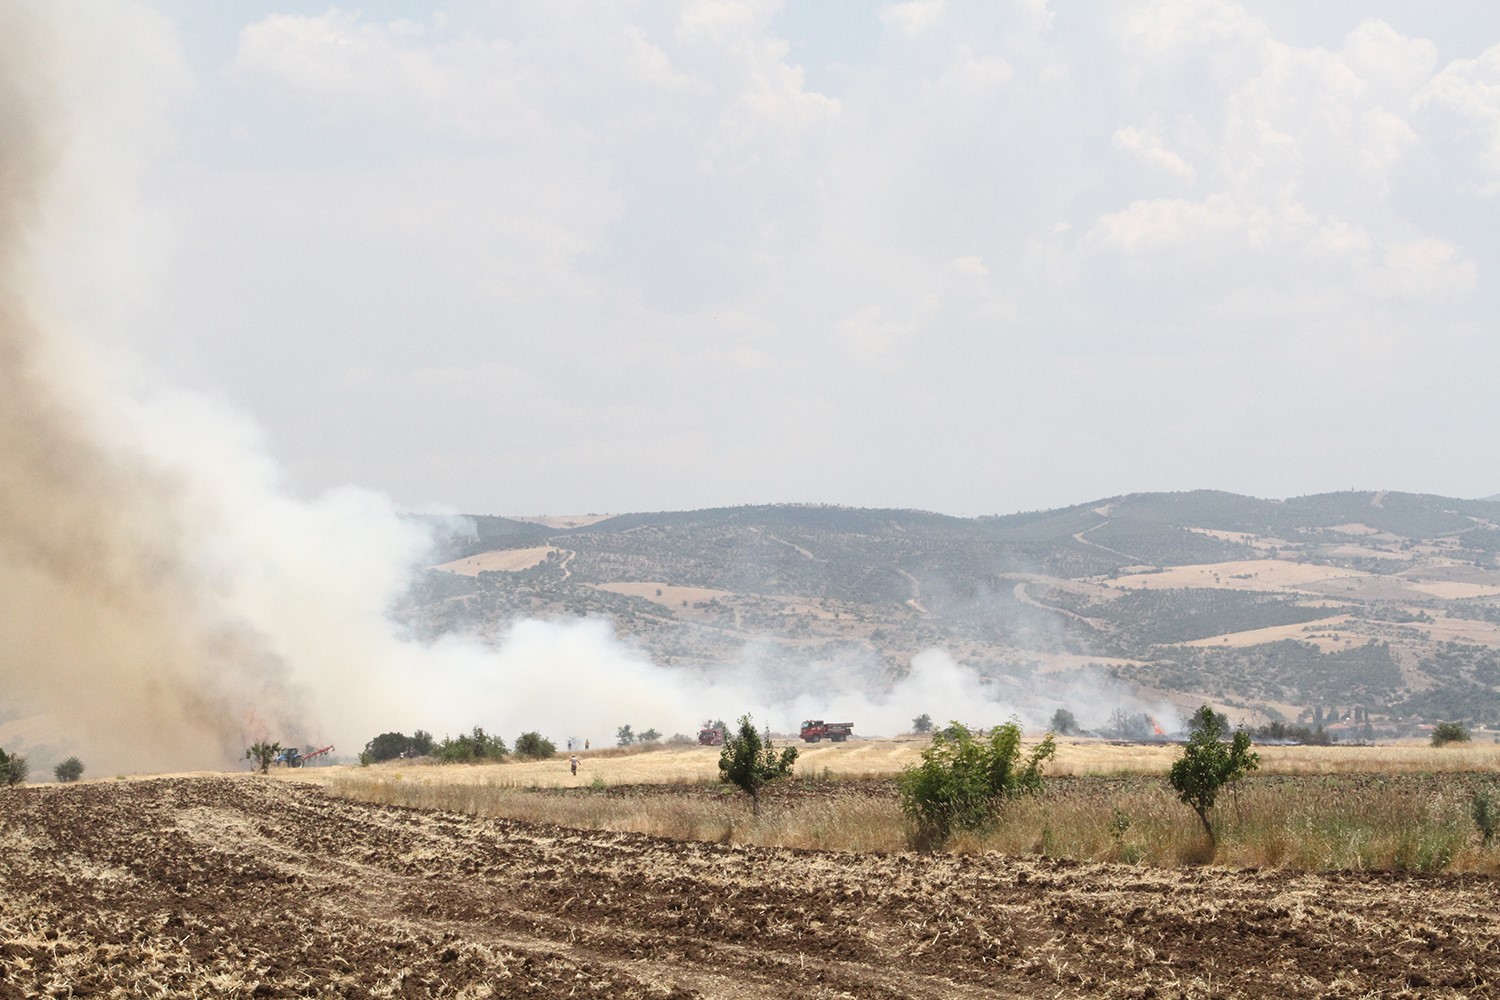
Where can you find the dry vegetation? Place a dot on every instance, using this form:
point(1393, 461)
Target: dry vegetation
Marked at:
point(1314, 808)
point(253, 887)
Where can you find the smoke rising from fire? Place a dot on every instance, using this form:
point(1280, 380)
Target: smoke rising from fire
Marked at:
point(167, 601)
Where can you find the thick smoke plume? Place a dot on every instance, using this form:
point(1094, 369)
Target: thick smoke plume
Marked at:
point(104, 620)
point(166, 602)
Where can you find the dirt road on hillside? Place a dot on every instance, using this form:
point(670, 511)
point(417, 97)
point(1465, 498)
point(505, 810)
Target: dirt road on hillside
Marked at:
point(249, 887)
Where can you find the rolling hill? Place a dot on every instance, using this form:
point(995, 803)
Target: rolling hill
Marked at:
point(1372, 612)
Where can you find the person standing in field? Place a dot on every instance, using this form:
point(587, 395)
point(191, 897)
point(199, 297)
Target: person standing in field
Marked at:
point(573, 763)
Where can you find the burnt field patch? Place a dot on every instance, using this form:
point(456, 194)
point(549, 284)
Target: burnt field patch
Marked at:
point(247, 887)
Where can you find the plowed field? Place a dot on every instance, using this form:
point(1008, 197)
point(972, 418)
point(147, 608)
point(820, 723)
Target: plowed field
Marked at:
point(251, 887)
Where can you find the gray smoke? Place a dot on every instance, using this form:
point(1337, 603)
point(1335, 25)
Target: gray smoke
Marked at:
point(103, 622)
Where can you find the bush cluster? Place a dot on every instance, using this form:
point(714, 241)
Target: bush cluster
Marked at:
point(963, 780)
point(472, 746)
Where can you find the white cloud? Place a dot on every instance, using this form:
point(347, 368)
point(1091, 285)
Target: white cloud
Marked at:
point(1423, 268)
point(641, 214)
point(914, 16)
point(1469, 91)
point(1148, 147)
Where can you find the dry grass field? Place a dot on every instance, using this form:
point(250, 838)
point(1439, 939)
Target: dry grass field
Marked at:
point(504, 560)
point(252, 887)
point(887, 757)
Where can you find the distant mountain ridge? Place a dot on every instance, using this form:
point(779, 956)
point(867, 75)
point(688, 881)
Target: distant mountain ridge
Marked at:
point(1387, 603)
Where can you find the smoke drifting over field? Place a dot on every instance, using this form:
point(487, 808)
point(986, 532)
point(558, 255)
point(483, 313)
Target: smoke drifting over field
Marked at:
point(167, 602)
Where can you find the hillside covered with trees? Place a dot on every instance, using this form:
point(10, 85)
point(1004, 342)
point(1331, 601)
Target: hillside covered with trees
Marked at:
point(1372, 612)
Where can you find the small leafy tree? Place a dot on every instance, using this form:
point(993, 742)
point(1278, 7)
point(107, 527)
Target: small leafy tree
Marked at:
point(14, 768)
point(650, 736)
point(261, 753)
point(1208, 764)
point(1449, 732)
point(532, 746)
point(963, 780)
point(69, 770)
point(624, 736)
point(749, 760)
point(922, 724)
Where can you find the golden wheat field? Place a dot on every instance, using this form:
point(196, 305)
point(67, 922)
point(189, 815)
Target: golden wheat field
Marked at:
point(641, 879)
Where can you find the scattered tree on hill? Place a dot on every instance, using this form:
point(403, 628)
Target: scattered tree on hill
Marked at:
point(261, 754)
point(69, 770)
point(1064, 723)
point(1208, 764)
point(532, 746)
point(749, 760)
point(1449, 732)
point(964, 780)
point(472, 746)
point(650, 736)
point(14, 768)
point(922, 724)
point(624, 736)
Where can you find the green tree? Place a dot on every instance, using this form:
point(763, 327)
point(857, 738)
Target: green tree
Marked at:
point(922, 724)
point(261, 753)
point(624, 736)
point(471, 746)
point(14, 768)
point(749, 760)
point(1208, 764)
point(421, 743)
point(531, 746)
point(386, 746)
point(69, 770)
point(1449, 732)
point(963, 780)
point(650, 736)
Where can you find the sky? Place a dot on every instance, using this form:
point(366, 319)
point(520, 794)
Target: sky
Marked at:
point(558, 258)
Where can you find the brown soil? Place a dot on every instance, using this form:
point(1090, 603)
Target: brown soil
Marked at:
point(243, 886)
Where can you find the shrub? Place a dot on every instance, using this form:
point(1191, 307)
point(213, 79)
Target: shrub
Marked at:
point(1449, 732)
point(69, 770)
point(261, 754)
point(963, 781)
point(531, 746)
point(1207, 764)
point(471, 746)
point(1486, 813)
point(749, 760)
point(14, 768)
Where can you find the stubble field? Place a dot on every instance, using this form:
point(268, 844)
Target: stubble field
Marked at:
point(244, 886)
